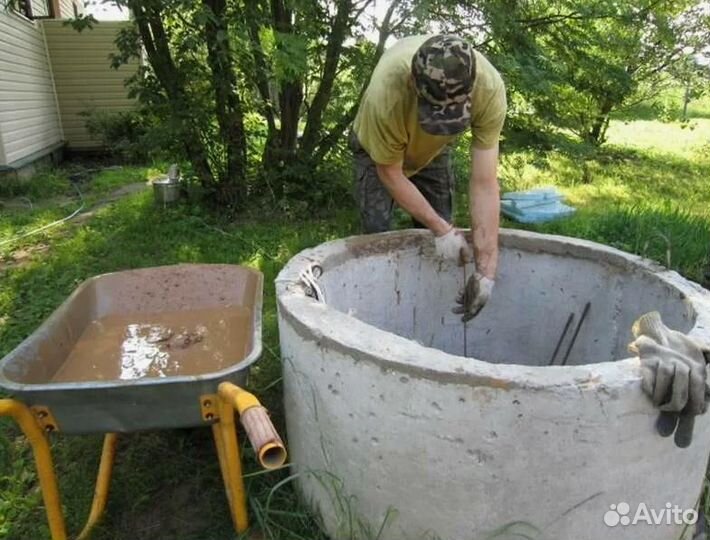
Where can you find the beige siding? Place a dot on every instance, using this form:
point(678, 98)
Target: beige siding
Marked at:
point(40, 8)
point(83, 76)
point(66, 8)
point(29, 122)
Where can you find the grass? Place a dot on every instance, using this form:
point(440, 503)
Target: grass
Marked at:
point(183, 497)
point(646, 192)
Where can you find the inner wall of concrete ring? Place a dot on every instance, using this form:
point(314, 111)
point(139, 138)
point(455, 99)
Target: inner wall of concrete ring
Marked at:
point(388, 425)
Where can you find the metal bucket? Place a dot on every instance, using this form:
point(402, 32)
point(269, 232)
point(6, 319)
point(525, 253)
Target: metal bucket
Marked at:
point(166, 191)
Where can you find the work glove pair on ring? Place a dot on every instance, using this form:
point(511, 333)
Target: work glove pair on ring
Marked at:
point(674, 371)
point(453, 246)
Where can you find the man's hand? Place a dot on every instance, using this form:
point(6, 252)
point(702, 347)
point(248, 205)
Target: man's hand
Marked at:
point(674, 375)
point(452, 246)
point(473, 297)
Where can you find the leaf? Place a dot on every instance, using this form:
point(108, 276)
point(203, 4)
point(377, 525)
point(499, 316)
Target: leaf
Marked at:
point(290, 56)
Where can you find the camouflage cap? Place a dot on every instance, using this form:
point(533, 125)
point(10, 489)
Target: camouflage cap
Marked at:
point(444, 68)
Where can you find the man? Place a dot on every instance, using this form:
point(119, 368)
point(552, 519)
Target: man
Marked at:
point(424, 92)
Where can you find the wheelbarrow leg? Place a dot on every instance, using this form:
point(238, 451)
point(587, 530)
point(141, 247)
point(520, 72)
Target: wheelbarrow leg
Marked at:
point(43, 461)
point(270, 450)
point(103, 481)
point(225, 436)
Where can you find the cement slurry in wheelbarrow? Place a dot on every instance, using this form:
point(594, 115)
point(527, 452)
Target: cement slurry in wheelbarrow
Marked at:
point(164, 344)
point(390, 426)
point(136, 349)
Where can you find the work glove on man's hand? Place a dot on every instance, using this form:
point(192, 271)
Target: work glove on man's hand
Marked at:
point(453, 246)
point(473, 296)
point(674, 374)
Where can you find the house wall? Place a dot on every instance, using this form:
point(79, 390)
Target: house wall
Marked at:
point(2, 151)
point(40, 8)
point(66, 8)
point(83, 77)
point(29, 119)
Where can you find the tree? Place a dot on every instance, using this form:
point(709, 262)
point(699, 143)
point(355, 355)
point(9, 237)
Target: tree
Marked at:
point(573, 63)
point(694, 78)
point(301, 65)
point(179, 37)
point(311, 63)
point(260, 92)
point(692, 69)
point(613, 57)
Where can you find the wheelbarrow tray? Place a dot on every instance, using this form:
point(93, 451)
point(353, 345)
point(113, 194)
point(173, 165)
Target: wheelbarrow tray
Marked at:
point(137, 404)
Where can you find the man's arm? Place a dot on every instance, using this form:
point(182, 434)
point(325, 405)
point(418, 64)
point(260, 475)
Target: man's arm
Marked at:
point(408, 197)
point(484, 209)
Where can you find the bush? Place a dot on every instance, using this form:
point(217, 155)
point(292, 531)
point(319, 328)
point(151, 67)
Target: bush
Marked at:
point(133, 136)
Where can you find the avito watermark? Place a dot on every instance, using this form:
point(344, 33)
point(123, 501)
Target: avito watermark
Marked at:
point(621, 515)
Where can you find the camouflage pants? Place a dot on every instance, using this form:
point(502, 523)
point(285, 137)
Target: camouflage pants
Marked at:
point(435, 182)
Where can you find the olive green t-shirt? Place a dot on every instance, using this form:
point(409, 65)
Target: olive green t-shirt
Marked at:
point(387, 124)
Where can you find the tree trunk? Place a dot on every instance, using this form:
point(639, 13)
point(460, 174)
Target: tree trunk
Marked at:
point(686, 101)
point(329, 140)
point(290, 103)
point(147, 17)
point(314, 120)
point(261, 75)
point(231, 190)
point(597, 133)
point(290, 100)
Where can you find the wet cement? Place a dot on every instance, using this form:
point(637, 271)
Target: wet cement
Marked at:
point(140, 345)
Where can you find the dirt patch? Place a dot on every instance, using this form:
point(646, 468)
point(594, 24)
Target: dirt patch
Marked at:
point(22, 256)
point(112, 197)
point(16, 203)
point(171, 513)
point(123, 191)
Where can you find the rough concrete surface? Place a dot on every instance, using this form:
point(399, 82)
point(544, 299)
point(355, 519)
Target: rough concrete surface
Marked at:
point(389, 423)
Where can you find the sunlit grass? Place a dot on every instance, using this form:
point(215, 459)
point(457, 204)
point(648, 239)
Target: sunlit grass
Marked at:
point(678, 139)
point(646, 191)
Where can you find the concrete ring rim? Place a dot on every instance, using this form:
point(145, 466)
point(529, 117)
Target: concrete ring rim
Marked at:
point(623, 372)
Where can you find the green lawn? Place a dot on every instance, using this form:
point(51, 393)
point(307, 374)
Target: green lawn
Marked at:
point(646, 191)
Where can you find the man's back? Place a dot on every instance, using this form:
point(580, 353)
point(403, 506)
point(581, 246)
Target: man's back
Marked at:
point(387, 124)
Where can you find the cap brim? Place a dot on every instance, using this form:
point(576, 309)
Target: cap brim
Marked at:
point(450, 120)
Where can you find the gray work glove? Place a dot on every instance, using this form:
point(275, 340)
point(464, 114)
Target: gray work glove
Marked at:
point(473, 296)
point(453, 246)
point(674, 374)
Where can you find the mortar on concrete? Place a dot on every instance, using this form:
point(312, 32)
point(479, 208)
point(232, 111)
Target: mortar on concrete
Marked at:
point(381, 403)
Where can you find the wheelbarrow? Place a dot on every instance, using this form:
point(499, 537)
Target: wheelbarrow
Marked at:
point(155, 348)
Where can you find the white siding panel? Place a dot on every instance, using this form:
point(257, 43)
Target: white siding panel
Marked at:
point(12, 100)
point(66, 9)
point(27, 51)
point(25, 69)
point(21, 29)
point(19, 83)
point(26, 125)
point(33, 140)
point(29, 112)
point(29, 120)
point(40, 8)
